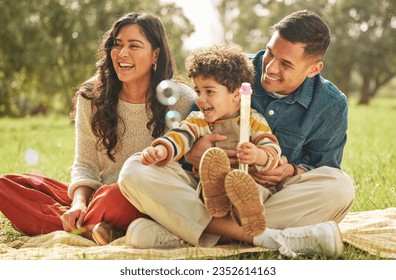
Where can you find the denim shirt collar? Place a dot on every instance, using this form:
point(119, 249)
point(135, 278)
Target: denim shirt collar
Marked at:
point(303, 94)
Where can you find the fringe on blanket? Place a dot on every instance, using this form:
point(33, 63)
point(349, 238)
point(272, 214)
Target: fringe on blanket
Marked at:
point(371, 231)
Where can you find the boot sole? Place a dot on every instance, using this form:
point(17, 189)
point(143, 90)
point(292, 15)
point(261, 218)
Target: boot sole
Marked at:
point(244, 196)
point(213, 168)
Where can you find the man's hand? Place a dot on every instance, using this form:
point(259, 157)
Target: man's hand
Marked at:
point(193, 157)
point(275, 176)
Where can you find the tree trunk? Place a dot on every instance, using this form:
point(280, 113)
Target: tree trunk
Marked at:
point(5, 106)
point(369, 89)
point(365, 92)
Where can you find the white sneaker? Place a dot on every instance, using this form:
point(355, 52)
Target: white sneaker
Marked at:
point(320, 239)
point(144, 233)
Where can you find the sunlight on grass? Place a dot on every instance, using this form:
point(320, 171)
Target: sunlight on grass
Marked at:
point(43, 145)
point(370, 154)
point(369, 158)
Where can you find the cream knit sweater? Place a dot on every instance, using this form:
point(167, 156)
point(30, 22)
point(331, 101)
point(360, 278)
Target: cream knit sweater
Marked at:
point(93, 168)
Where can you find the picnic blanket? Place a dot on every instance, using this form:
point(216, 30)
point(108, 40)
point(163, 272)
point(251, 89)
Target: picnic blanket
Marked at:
point(372, 231)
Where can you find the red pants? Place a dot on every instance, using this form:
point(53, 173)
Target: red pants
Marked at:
point(34, 204)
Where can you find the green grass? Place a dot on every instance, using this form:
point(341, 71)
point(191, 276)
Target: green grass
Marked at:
point(369, 158)
point(370, 154)
point(51, 137)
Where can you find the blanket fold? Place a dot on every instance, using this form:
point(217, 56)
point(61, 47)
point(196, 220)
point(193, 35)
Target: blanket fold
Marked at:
point(372, 231)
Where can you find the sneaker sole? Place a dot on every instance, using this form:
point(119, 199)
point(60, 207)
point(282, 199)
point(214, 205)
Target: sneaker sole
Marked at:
point(137, 237)
point(244, 196)
point(213, 169)
point(130, 237)
point(338, 243)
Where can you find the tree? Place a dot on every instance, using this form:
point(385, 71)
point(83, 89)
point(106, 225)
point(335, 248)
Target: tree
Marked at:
point(248, 22)
point(372, 33)
point(363, 36)
point(49, 47)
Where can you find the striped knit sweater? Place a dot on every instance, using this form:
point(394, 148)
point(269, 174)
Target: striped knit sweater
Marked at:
point(180, 140)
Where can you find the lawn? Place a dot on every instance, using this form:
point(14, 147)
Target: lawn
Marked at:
point(45, 145)
point(370, 154)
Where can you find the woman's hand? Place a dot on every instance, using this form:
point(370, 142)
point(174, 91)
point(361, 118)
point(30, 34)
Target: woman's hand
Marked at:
point(73, 218)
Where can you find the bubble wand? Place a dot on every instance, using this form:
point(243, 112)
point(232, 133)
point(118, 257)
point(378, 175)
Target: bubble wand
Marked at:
point(244, 132)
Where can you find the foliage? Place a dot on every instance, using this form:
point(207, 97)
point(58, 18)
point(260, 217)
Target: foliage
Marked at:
point(49, 47)
point(363, 36)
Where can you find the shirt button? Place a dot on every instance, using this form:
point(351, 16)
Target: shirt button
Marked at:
point(271, 112)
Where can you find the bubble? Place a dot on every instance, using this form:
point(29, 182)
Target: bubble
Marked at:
point(36, 177)
point(167, 92)
point(172, 119)
point(31, 156)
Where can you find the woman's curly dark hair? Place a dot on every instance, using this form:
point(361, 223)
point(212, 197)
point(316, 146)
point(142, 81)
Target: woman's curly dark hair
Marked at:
point(104, 88)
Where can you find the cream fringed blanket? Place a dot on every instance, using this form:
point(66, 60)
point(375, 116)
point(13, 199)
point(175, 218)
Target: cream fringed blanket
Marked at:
point(371, 231)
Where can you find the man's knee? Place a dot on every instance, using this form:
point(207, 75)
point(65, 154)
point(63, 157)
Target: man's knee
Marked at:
point(337, 189)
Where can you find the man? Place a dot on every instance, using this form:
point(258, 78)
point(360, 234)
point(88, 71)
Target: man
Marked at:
point(308, 115)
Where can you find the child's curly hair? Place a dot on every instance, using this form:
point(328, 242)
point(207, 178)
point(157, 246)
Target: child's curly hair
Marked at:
point(226, 63)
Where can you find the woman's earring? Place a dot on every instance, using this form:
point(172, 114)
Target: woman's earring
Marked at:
point(154, 66)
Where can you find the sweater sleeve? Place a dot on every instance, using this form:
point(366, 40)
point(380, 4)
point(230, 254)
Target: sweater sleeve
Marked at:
point(85, 169)
point(264, 139)
point(179, 141)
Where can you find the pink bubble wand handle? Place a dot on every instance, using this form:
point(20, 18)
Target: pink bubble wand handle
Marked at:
point(244, 133)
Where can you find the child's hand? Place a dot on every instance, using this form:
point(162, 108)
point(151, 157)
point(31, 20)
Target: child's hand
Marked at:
point(152, 155)
point(247, 153)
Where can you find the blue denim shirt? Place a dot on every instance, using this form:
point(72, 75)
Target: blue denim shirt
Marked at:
point(310, 124)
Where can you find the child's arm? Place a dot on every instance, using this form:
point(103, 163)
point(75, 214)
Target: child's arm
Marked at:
point(264, 140)
point(248, 153)
point(152, 155)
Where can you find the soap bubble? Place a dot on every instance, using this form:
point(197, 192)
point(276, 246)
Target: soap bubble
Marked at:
point(167, 92)
point(172, 119)
point(31, 156)
point(36, 177)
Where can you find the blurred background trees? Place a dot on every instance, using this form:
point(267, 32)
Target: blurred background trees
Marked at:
point(48, 47)
point(362, 50)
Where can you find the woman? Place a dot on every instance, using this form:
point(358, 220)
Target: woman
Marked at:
point(116, 114)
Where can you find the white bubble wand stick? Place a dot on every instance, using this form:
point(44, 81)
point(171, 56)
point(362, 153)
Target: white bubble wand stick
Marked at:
point(244, 132)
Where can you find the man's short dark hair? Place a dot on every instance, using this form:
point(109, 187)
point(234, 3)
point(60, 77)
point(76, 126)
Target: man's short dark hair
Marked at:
point(308, 28)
